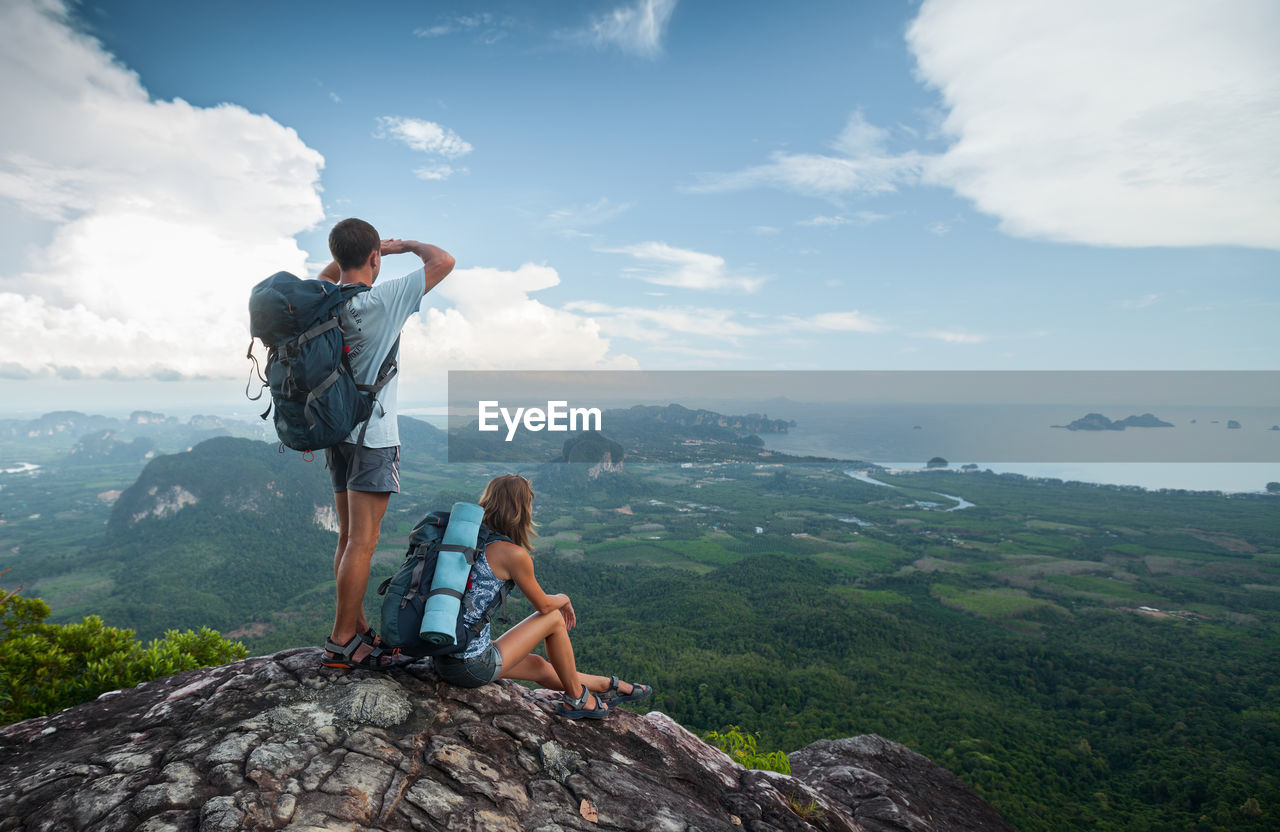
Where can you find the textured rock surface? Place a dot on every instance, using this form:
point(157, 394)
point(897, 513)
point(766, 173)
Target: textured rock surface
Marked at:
point(274, 743)
point(886, 787)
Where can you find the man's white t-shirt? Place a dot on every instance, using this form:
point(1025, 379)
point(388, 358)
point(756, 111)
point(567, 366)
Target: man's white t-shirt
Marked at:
point(371, 322)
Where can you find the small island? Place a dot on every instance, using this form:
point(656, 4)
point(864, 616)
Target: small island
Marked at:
point(1096, 421)
point(1232, 424)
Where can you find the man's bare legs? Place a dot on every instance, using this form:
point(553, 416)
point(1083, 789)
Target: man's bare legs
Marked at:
point(359, 523)
point(559, 670)
point(344, 530)
point(344, 527)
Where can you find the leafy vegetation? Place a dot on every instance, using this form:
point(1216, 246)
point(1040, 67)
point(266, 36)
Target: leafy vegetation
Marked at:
point(47, 667)
point(741, 748)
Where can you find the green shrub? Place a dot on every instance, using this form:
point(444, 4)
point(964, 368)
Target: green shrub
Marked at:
point(741, 748)
point(48, 667)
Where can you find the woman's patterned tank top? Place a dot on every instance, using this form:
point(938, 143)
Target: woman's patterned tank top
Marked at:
point(482, 589)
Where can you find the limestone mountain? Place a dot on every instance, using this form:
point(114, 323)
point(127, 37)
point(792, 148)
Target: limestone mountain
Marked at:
point(214, 536)
point(1096, 421)
point(107, 446)
point(69, 424)
point(274, 743)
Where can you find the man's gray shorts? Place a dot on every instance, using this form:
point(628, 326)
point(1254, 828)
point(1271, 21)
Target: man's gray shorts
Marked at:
point(373, 469)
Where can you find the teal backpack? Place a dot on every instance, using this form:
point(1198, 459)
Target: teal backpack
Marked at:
point(405, 593)
point(317, 401)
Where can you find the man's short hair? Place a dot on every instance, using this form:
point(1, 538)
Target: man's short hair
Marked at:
point(352, 241)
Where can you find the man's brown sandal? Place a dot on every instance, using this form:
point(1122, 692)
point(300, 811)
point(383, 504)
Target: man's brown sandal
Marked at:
point(343, 655)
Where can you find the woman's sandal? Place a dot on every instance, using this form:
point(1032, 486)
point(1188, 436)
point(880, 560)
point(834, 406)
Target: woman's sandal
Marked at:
point(638, 692)
point(342, 656)
point(577, 708)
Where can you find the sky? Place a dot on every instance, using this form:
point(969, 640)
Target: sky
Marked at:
point(642, 184)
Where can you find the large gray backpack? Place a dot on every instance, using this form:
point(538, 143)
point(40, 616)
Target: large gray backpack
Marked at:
point(317, 401)
point(405, 593)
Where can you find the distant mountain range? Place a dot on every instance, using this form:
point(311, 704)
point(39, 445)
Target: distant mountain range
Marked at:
point(680, 416)
point(95, 438)
point(645, 433)
point(1096, 421)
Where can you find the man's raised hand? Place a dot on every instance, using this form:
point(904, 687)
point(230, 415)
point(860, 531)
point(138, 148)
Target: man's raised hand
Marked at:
point(436, 262)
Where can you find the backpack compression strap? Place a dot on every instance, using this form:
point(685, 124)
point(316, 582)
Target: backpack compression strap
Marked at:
point(415, 580)
point(390, 367)
point(468, 552)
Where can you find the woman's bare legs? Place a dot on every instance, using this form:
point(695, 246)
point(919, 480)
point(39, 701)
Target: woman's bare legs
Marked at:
point(534, 668)
point(558, 671)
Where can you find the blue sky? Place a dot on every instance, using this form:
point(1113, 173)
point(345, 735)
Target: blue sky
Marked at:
point(659, 184)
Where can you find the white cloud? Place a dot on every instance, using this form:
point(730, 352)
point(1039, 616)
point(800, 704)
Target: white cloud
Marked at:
point(1146, 123)
point(703, 353)
point(859, 218)
point(422, 135)
point(494, 324)
point(437, 172)
point(1149, 122)
point(335, 98)
point(686, 330)
point(436, 31)
point(955, 336)
point(637, 28)
point(850, 321)
point(569, 221)
point(863, 166)
point(657, 325)
point(686, 269)
point(165, 213)
point(490, 27)
point(1142, 302)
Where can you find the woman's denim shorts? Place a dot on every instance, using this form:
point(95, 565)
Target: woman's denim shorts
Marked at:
point(473, 672)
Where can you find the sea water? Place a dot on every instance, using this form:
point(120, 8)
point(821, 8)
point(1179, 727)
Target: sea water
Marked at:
point(1200, 453)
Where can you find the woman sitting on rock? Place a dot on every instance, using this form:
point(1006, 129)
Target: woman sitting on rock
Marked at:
point(508, 510)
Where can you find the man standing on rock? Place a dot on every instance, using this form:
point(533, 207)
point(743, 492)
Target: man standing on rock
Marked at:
point(364, 481)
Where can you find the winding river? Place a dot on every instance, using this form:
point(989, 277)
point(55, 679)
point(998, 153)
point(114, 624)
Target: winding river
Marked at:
point(863, 476)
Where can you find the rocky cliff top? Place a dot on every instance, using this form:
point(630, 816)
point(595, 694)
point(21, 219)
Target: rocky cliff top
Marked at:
point(274, 742)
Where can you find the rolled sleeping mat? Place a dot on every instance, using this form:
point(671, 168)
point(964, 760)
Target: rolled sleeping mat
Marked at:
point(440, 617)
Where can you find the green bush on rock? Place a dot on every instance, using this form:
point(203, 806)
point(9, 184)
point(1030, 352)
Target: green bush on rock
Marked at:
point(48, 667)
point(741, 748)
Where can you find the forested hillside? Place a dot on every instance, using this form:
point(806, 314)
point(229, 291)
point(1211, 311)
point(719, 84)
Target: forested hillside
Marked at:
point(205, 538)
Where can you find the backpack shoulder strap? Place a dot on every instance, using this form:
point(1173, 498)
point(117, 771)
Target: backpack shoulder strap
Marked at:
point(499, 600)
point(387, 371)
point(488, 535)
point(350, 290)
